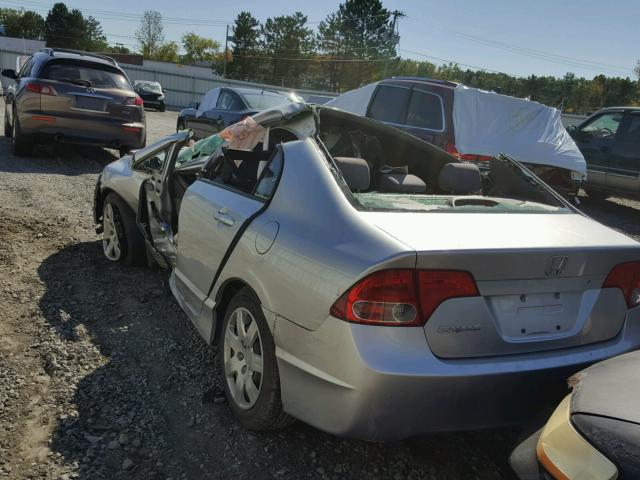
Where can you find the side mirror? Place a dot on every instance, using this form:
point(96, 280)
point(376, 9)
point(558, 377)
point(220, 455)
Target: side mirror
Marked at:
point(195, 105)
point(571, 129)
point(164, 90)
point(9, 73)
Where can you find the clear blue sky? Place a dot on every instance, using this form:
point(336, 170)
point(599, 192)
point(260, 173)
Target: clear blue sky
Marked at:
point(586, 37)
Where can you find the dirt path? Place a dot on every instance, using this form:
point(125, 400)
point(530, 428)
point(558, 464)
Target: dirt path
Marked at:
point(102, 376)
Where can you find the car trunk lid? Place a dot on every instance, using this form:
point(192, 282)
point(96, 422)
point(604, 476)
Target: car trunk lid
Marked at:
point(539, 277)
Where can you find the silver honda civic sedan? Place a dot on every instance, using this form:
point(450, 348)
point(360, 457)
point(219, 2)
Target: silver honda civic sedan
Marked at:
point(367, 283)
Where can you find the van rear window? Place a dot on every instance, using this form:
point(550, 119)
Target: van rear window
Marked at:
point(425, 111)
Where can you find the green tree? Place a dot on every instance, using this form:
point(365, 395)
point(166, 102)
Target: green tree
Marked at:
point(116, 49)
point(246, 38)
point(366, 35)
point(289, 44)
point(198, 49)
point(70, 29)
point(150, 33)
point(167, 52)
point(331, 47)
point(22, 23)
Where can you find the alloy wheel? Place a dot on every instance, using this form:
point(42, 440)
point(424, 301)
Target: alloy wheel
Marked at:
point(243, 360)
point(110, 240)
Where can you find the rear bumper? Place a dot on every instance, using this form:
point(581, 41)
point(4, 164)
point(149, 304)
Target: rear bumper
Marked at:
point(152, 103)
point(383, 383)
point(102, 131)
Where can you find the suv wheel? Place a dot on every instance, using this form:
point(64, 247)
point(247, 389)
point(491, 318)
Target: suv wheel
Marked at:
point(21, 146)
point(162, 107)
point(251, 378)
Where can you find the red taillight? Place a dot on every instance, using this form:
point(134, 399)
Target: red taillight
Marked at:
point(40, 88)
point(436, 286)
point(626, 277)
point(137, 101)
point(451, 149)
point(401, 297)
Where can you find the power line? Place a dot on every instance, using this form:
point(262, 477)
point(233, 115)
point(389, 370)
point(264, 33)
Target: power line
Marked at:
point(453, 61)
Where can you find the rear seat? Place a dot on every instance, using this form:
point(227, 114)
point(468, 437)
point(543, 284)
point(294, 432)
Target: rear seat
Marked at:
point(401, 183)
point(460, 178)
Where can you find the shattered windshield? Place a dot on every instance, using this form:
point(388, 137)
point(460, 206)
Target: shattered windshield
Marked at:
point(432, 203)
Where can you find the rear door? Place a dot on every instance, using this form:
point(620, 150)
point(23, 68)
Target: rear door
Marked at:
point(595, 139)
point(213, 120)
point(213, 215)
point(88, 91)
point(208, 102)
point(624, 168)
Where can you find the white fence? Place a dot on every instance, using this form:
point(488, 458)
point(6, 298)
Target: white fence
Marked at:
point(182, 88)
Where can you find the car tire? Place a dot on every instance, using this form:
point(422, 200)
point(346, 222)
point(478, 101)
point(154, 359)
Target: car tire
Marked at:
point(7, 126)
point(255, 398)
point(162, 107)
point(122, 241)
point(20, 146)
point(180, 126)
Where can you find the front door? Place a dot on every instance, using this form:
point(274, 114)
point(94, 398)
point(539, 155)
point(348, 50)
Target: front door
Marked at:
point(595, 139)
point(214, 213)
point(624, 170)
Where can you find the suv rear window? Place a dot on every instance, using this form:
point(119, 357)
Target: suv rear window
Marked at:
point(388, 104)
point(99, 76)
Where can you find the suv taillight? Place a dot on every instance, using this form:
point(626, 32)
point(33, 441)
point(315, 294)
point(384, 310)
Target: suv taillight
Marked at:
point(39, 88)
point(626, 277)
point(137, 101)
point(402, 297)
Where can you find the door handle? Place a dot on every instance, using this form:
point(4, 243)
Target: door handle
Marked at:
point(224, 218)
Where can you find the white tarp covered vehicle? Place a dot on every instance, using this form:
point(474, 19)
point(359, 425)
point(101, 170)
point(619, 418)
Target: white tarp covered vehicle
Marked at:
point(487, 123)
point(474, 124)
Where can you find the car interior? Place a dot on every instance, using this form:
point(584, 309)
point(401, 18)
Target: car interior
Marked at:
point(372, 159)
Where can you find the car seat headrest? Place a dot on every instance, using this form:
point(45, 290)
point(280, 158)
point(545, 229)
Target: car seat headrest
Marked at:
point(401, 183)
point(355, 172)
point(460, 178)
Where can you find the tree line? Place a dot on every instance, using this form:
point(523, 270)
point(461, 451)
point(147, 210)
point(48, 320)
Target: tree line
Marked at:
point(352, 46)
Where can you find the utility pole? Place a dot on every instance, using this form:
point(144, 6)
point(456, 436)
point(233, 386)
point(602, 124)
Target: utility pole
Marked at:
point(224, 60)
point(392, 36)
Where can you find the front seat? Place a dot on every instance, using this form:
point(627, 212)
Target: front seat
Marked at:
point(460, 178)
point(355, 172)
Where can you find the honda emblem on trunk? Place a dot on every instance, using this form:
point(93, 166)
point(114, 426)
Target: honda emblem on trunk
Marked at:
point(555, 266)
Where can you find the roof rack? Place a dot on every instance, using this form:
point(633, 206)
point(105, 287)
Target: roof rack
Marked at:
point(430, 80)
point(52, 51)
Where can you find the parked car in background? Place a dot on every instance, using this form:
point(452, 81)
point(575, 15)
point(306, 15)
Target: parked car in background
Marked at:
point(367, 282)
point(610, 142)
point(595, 431)
point(151, 93)
point(70, 96)
point(474, 125)
point(224, 106)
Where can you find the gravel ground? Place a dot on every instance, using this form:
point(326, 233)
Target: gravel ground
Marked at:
point(102, 376)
